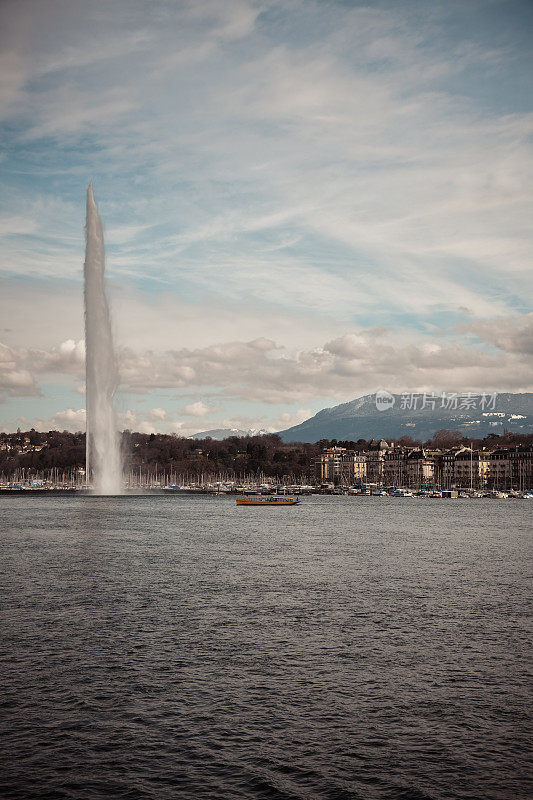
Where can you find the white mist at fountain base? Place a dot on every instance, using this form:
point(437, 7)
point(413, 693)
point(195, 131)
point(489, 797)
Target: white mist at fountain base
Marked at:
point(104, 461)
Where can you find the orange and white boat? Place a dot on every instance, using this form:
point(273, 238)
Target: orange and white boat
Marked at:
point(267, 500)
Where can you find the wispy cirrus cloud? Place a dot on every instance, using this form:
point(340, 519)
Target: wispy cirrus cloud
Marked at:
point(350, 135)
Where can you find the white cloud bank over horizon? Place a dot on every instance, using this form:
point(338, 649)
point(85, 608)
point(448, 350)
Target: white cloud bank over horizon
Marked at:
point(498, 358)
point(73, 420)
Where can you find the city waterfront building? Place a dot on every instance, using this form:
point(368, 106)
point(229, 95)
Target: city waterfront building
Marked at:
point(471, 468)
point(511, 468)
point(341, 467)
point(459, 467)
point(521, 467)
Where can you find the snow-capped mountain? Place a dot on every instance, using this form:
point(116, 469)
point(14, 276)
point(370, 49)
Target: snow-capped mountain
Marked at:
point(225, 433)
point(417, 415)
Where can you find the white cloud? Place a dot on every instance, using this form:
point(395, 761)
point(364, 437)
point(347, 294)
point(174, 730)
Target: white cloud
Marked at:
point(198, 409)
point(70, 419)
point(287, 420)
point(128, 419)
point(260, 371)
point(343, 367)
point(146, 427)
point(510, 334)
point(15, 380)
point(157, 414)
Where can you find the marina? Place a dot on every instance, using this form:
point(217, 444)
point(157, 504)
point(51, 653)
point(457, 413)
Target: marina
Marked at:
point(252, 494)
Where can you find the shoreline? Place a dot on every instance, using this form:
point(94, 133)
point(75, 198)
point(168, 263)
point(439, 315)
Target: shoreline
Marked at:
point(401, 493)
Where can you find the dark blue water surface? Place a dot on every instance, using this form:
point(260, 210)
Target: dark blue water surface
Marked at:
point(183, 647)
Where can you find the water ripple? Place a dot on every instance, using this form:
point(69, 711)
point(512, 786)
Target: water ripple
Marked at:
point(185, 648)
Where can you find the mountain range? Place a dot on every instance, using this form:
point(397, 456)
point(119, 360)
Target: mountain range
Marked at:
point(225, 433)
point(418, 416)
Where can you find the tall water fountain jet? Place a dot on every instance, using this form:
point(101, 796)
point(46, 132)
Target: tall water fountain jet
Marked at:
point(103, 458)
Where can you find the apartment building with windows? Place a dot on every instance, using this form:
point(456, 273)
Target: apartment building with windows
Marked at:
point(458, 467)
point(341, 467)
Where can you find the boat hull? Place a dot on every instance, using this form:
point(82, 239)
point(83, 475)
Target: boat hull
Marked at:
point(259, 501)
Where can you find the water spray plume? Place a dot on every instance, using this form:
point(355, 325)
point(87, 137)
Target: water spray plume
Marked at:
point(104, 462)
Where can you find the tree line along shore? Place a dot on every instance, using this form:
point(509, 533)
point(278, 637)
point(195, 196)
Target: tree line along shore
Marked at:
point(53, 455)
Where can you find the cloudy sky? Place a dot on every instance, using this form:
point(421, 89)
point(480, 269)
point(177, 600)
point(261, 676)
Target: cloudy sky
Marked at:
point(304, 201)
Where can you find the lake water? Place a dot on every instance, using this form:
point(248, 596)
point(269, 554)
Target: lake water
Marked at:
point(184, 647)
